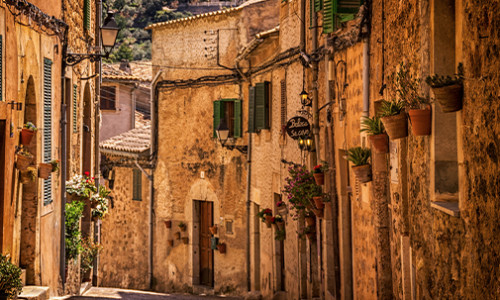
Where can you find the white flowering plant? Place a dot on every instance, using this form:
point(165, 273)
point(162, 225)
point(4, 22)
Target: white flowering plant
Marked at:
point(100, 202)
point(81, 185)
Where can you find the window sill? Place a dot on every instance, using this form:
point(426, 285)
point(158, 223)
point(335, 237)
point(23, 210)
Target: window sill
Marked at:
point(450, 208)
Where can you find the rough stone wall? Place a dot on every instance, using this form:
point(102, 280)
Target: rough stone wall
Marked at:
point(125, 236)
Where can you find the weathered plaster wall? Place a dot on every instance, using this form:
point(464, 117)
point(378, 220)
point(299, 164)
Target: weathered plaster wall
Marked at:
point(124, 256)
point(118, 121)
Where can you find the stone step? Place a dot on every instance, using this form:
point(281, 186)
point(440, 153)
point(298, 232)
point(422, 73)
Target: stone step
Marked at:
point(32, 292)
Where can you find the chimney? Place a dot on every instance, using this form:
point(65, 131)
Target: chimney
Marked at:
point(125, 66)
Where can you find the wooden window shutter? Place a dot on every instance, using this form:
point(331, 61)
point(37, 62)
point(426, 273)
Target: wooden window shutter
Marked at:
point(86, 14)
point(262, 105)
point(237, 118)
point(251, 109)
point(75, 117)
point(283, 104)
point(218, 112)
point(137, 185)
point(318, 5)
point(335, 11)
point(329, 10)
point(47, 126)
point(348, 6)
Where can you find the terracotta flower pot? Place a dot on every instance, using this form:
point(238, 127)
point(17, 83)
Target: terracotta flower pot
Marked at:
point(319, 178)
point(363, 173)
point(23, 162)
point(280, 225)
point(185, 240)
point(318, 212)
point(449, 97)
point(168, 224)
point(44, 170)
point(396, 126)
point(420, 120)
point(319, 202)
point(26, 136)
point(282, 210)
point(310, 221)
point(171, 243)
point(268, 221)
point(213, 229)
point(380, 142)
point(222, 248)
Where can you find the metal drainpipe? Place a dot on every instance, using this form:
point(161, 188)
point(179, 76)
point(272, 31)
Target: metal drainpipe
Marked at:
point(249, 182)
point(152, 153)
point(315, 89)
point(95, 270)
point(303, 26)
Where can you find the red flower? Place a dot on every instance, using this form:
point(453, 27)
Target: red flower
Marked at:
point(317, 167)
point(87, 174)
point(273, 219)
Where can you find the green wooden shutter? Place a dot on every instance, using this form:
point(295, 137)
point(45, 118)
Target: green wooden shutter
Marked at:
point(262, 105)
point(348, 6)
point(1, 68)
point(47, 126)
point(218, 112)
point(86, 14)
point(137, 185)
point(237, 118)
point(329, 8)
point(335, 11)
point(75, 119)
point(318, 5)
point(251, 109)
point(311, 13)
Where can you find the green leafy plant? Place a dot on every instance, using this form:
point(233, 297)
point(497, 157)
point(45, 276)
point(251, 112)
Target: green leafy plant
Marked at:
point(82, 186)
point(300, 187)
point(437, 81)
point(89, 254)
point(24, 152)
point(280, 235)
point(358, 156)
point(408, 87)
point(101, 202)
point(30, 126)
point(55, 165)
point(391, 108)
point(372, 126)
point(264, 212)
point(10, 278)
point(321, 168)
point(74, 212)
point(305, 230)
point(32, 173)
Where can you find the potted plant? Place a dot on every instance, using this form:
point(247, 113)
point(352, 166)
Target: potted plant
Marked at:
point(300, 187)
point(27, 133)
point(222, 248)
point(266, 216)
point(281, 206)
point(55, 165)
point(448, 90)
point(182, 226)
point(359, 157)
point(23, 159)
point(44, 170)
point(185, 240)
point(10, 279)
point(408, 90)
point(280, 235)
point(319, 173)
point(279, 222)
point(376, 133)
point(213, 229)
point(29, 175)
point(394, 119)
point(81, 187)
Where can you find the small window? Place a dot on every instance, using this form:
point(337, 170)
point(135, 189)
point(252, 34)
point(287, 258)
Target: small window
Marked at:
point(137, 185)
point(229, 226)
point(230, 111)
point(108, 97)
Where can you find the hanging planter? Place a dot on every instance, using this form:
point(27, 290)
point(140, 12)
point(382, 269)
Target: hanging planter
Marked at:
point(185, 240)
point(359, 157)
point(420, 120)
point(318, 212)
point(213, 229)
point(278, 222)
point(319, 173)
point(380, 142)
point(266, 216)
point(376, 134)
point(396, 126)
point(222, 248)
point(448, 90)
point(268, 221)
point(23, 160)
point(168, 224)
point(310, 220)
point(44, 170)
point(27, 133)
point(318, 201)
point(281, 206)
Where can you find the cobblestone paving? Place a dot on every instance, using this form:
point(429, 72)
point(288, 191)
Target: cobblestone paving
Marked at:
point(111, 293)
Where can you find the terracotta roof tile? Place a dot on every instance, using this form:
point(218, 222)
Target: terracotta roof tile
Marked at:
point(137, 140)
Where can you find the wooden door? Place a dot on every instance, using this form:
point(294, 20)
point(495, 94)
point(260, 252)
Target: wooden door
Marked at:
point(206, 252)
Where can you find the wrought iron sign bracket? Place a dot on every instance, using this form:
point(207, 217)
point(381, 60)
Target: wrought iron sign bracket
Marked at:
point(75, 58)
point(242, 149)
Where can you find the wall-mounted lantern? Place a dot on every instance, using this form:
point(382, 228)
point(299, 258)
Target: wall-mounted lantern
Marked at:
point(304, 98)
point(222, 132)
point(305, 143)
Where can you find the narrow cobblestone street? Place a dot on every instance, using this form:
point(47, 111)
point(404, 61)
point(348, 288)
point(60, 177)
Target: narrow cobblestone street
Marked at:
point(112, 293)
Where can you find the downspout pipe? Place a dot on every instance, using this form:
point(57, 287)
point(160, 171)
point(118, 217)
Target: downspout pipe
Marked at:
point(152, 154)
point(314, 33)
point(134, 104)
point(249, 188)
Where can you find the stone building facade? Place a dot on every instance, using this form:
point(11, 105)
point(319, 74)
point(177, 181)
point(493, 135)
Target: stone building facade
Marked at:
point(34, 35)
point(398, 236)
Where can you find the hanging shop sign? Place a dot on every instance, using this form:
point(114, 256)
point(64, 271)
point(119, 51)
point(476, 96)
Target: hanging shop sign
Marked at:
point(298, 127)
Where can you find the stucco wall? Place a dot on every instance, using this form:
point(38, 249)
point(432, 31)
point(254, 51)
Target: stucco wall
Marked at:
point(120, 120)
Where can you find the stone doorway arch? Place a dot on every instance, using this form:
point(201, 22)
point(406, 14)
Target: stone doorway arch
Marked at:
point(30, 229)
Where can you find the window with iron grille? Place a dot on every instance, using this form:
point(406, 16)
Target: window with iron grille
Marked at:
point(283, 103)
point(137, 185)
point(108, 97)
point(47, 126)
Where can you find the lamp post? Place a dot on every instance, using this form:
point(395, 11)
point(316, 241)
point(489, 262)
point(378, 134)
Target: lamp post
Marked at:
point(109, 33)
point(222, 132)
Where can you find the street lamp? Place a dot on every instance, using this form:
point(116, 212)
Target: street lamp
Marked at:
point(305, 143)
point(222, 132)
point(304, 98)
point(109, 32)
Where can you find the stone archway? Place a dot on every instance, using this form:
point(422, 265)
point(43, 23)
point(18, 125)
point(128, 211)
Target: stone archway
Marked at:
point(30, 209)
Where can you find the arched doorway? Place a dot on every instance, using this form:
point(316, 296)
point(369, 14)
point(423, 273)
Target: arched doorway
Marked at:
point(30, 208)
